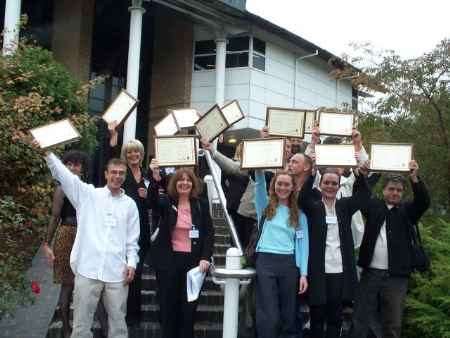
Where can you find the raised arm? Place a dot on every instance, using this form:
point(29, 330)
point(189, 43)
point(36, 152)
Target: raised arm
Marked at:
point(421, 200)
point(261, 198)
point(73, 187)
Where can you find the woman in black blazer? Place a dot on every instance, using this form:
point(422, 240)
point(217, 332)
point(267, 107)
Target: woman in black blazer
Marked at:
point(185, 240)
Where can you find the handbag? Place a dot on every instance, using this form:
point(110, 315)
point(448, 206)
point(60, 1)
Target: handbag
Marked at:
point(419, 258)
point(250, 250)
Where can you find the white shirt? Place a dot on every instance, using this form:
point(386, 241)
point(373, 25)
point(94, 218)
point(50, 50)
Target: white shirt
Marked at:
point(380, 253)
point(333, 255)
point(108, 227)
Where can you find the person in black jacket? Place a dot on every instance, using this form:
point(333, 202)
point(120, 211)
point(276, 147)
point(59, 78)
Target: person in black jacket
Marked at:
point(185, 240)
point(385, 253)
point(331, 269)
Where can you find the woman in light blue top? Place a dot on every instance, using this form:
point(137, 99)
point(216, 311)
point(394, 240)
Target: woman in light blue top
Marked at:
point(282, 256)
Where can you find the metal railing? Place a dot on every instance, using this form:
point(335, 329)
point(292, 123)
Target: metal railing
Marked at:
point(222, 201)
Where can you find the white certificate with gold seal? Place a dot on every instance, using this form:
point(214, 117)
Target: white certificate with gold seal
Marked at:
point(285, 122)
point(265, 153)
point(336, 123)
point(176, 151)
point(390, 157)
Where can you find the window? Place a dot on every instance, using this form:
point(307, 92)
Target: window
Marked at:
point(237, 53)
point(205, 55)
point(102, 94)
point(259, 54)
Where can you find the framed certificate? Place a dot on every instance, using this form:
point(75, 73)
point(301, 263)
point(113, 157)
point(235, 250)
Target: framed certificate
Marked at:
point(232, 112)
point(55, 134)
point(390, 157)
point(335, 155)
point(212, 124)
point(310, 121)
point(285, 122)
point(120, 108)
point(176, 151)
point(168, 126)
point(263, 153)
point(336, 123)
point(185, 118)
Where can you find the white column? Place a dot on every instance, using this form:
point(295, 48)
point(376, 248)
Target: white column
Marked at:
point(221, 50)
point(12, 26)
point(134, 53)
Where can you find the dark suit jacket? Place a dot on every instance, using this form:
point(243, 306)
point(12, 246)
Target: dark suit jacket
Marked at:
point(310, 200)
point(201, 248)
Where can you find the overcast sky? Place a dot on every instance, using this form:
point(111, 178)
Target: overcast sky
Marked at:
point(408, 27)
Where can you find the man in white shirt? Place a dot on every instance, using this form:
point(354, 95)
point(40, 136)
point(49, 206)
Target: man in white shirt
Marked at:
point(105, 251)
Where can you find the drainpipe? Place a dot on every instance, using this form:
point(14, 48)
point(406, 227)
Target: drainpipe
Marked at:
point(12, 26)
point(295, 74)
point(134, 53)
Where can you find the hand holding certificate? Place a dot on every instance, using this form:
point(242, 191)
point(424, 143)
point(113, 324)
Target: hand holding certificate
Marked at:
point(263, 153)
point(335, 155)
point(336, 123)
point(120, 108)
point(54, 134)
point(176, 151)
point(285, 122)
point(390, 157)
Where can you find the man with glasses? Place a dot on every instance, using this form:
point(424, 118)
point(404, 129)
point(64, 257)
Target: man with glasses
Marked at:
point(105, 251)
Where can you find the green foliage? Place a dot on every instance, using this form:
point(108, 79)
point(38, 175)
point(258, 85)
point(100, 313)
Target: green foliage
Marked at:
point(415, 109)
point(34, 90)
point(19, 237)
point(427, 313)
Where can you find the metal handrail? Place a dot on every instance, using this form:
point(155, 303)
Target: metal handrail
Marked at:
point(221, 195)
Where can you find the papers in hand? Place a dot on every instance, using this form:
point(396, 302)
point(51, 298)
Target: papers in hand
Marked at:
point(175, 121)
point(335, 155)
point(194, 282)
point(57, 133)
point(120, 108)
point(390, 157)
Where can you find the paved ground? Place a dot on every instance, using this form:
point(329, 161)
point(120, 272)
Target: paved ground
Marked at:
point(32, 321)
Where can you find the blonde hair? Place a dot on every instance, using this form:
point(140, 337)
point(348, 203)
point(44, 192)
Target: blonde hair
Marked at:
point(273, 200)
point(132, 145)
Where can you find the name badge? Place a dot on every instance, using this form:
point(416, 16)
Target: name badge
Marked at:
point(331, 219)
point(299, 234)
point(193, 233)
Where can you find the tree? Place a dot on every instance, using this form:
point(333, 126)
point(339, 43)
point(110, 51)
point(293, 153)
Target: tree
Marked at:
point(415, 107)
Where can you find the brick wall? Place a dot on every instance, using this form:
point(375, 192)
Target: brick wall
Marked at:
point(172, 66)
point(72, 35)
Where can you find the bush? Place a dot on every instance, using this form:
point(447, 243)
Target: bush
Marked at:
point(427, 313)
point(34, 90)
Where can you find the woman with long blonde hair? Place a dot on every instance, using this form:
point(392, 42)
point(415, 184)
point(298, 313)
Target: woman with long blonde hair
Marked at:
point(282, 256)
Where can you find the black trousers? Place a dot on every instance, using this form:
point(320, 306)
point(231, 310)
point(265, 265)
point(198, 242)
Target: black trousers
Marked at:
point(134, 291)
point(276, 296)
point(331, 312)
point(177, 315)
point(377, 286)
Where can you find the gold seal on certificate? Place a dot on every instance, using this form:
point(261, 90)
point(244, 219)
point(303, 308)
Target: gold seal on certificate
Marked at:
point(120, 108)
point(393, 157)
point(336, 123)
point(55, 134)
point(212, 124)
point(232, 112)
point(335, 155)
point(285, 122)
point(265, 153)
point(176, 151)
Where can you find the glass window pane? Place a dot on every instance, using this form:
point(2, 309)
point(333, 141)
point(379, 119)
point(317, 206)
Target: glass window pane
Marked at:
point(259, 46)
point(238, 44)
point(259, 62)
point(205, 47)
point(237, 60)
point(204, 62)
